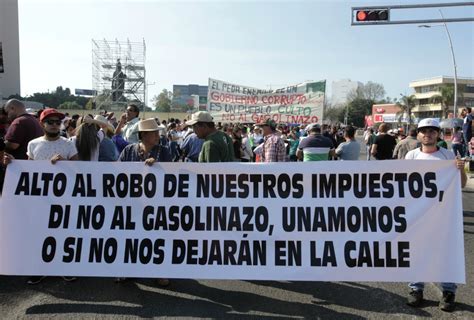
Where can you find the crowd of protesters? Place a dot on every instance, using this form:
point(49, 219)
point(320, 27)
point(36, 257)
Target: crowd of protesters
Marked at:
point(52, 135)
point(103, 138)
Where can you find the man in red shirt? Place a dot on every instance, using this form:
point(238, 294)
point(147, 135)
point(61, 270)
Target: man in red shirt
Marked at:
point(23, 129)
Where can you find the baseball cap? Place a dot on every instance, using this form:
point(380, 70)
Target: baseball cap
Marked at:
point(200, 116)
point(428, 123)
point(313, 127)
point(50, 112)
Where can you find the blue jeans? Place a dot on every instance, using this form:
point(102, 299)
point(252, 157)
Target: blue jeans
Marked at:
point(446, 286)
point(467, 138)
point(458, 148)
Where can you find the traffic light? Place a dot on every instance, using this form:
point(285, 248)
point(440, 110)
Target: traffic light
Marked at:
point(372, 15)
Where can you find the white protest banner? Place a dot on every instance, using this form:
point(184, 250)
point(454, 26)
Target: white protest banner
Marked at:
point(301, 103)
point(328, 221)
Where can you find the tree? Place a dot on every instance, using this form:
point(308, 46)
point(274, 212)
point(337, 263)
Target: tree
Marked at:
point(90, 104)
point(357, 109)
point(63, 93)
point(406, 105)
point(15, 96)
point(446, 98)
point(334, 114)
point(387, 100)
point(369, 91)
point(69, 105)
point(162, 102)
point(82, 101)
point(373, 91)
point(56, 98)
point(361, 101)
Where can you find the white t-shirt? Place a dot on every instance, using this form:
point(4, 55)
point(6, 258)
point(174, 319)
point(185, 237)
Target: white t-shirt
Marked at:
point(441, 154)
point(42, 149)
point(130, 131)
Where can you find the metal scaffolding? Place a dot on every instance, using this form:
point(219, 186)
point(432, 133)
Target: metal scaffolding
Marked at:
point(118, 73)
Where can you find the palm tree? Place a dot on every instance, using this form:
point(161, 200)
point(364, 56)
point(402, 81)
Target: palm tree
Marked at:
point(446, 98)
point(406, 105)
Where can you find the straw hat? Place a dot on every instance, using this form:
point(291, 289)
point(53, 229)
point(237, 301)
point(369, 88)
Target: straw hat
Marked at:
point(148, 125)
point(200, 116)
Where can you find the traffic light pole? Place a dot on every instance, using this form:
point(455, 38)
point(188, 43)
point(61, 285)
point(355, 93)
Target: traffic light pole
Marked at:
point(354, 21)
point(365, 16)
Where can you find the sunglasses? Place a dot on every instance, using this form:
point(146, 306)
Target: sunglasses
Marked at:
point(51, 122)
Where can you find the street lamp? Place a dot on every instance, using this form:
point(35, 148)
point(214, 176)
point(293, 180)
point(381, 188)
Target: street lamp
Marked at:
point(454, 62)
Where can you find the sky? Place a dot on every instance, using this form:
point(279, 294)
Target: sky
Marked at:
point(263, 44)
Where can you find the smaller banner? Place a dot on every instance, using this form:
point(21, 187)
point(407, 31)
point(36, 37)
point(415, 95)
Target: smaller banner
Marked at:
point(297, 104)
point(85, 92)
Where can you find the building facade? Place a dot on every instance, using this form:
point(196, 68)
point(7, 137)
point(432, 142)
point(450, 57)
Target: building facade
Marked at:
point(341, 90)
point(185, 96)
point(388, 113)
point(9, 49)
point(426, 89)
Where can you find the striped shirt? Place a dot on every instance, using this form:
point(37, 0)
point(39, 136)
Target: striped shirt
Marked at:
point(315, 147)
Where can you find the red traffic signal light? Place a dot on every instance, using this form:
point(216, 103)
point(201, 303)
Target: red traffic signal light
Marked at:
point(372, 15)
point(362, 15)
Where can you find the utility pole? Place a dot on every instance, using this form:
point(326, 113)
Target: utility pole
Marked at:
point(380, 15)
point(455, 107)
point(455, 104)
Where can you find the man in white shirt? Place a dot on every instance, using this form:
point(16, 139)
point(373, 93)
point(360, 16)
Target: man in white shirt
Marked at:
point(51, 146)
point(128, 124)
point(428, 133)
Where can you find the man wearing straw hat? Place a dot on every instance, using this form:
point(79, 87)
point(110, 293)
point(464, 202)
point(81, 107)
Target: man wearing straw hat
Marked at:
point(148, 149)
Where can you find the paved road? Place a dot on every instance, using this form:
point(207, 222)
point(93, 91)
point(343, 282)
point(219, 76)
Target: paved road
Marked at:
point(101, 298)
